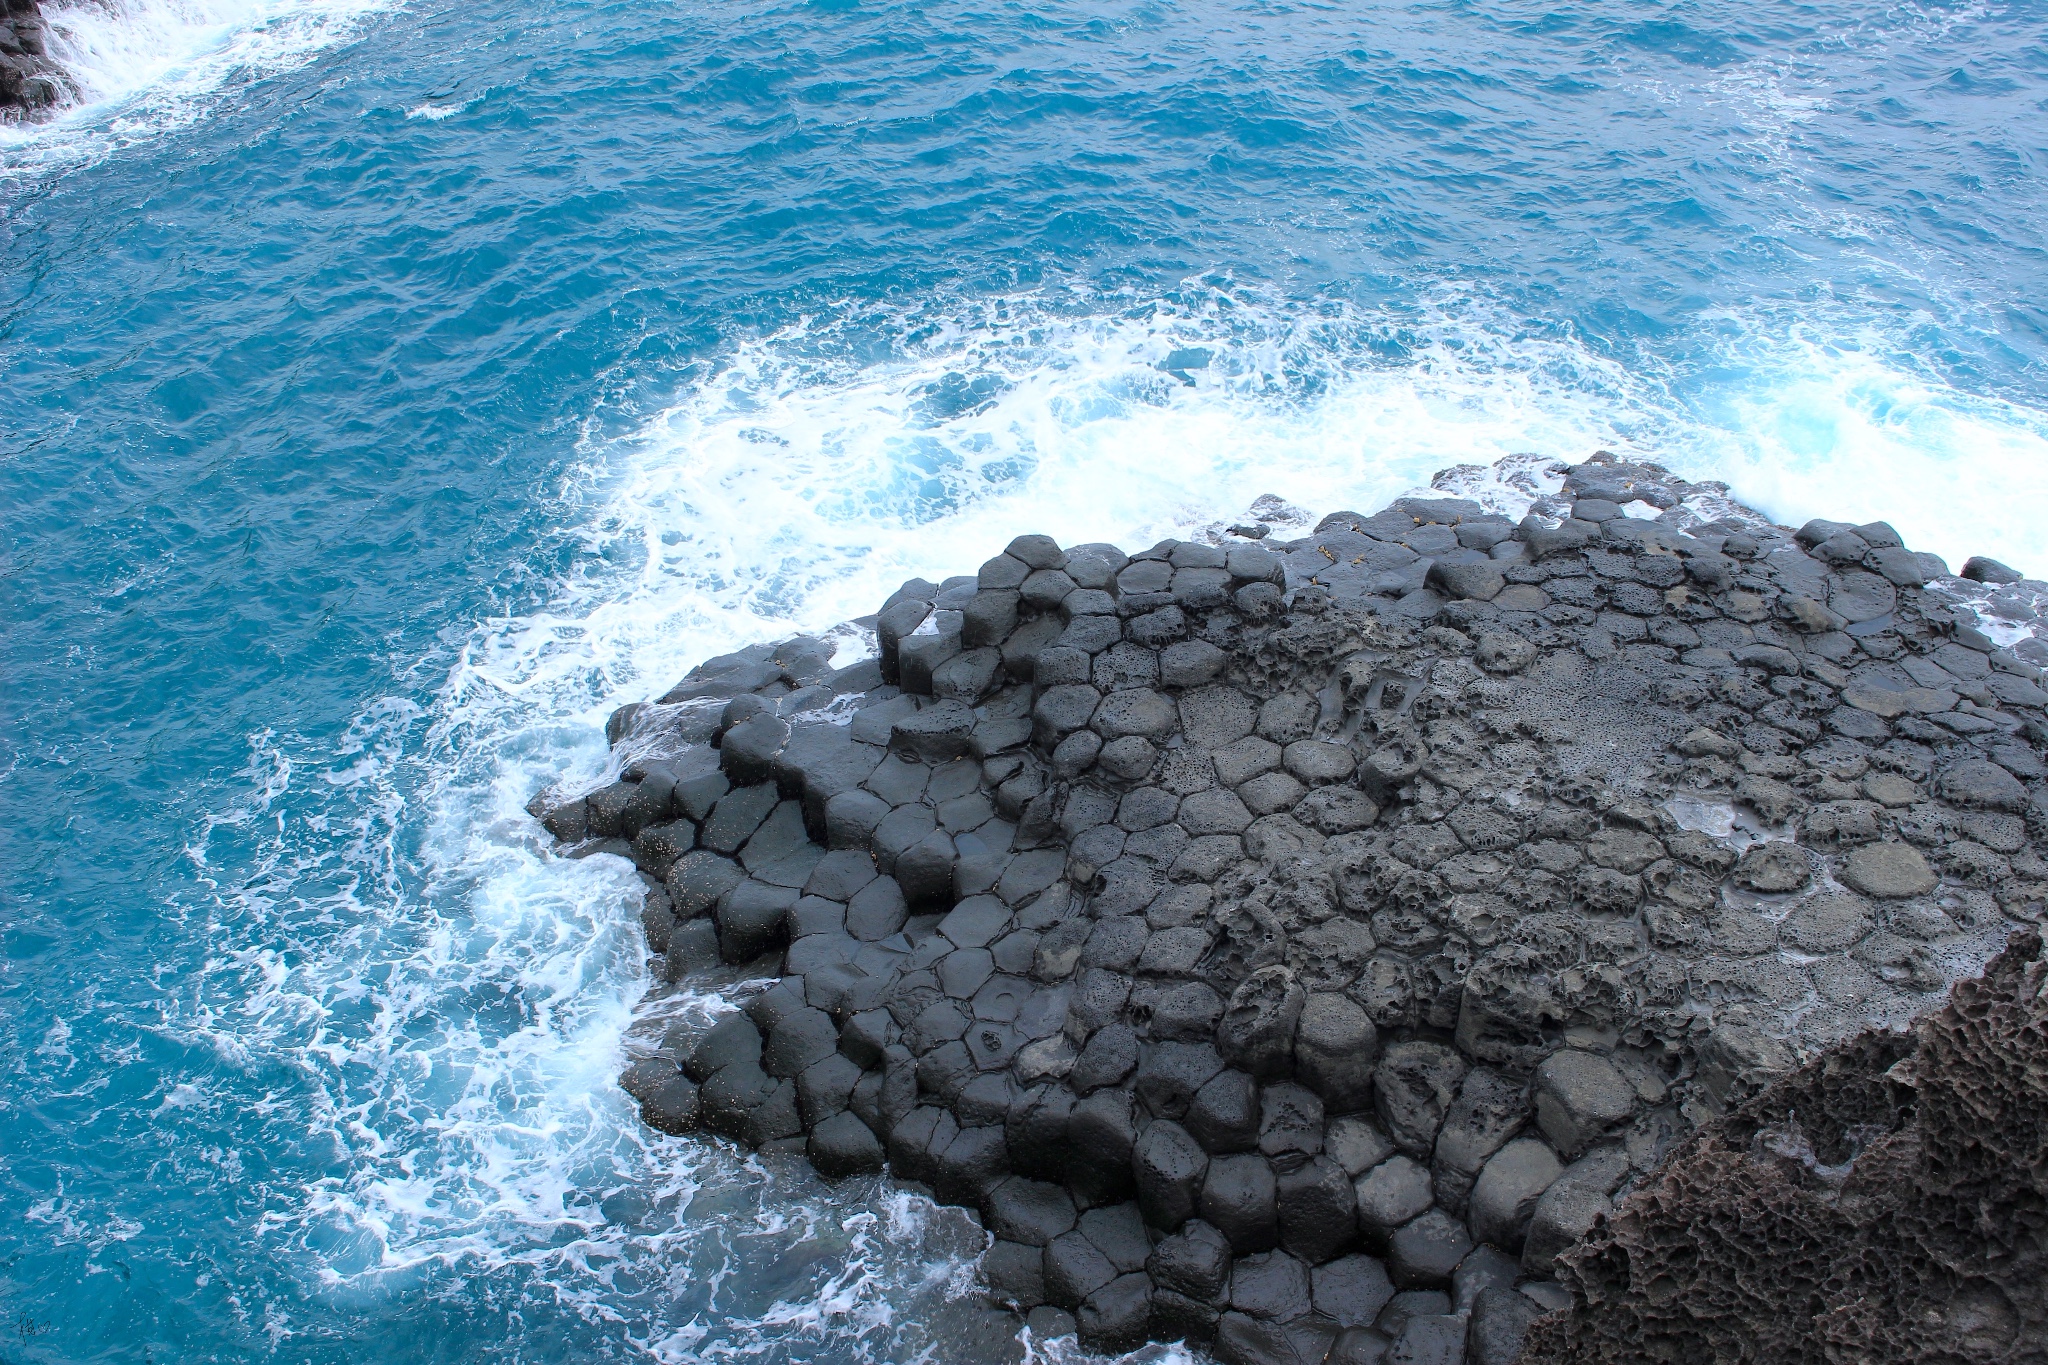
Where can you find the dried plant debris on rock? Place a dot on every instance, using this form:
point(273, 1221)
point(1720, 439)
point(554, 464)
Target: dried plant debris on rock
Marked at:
point(1298, 946)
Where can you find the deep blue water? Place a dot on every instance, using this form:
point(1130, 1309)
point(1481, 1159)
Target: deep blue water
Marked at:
point(386, 393)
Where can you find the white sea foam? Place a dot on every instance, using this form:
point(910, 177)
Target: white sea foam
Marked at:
point(136, 69)
point(799, 485)
point(434, 113)
point(1843, 427)
point(453, 996)
point(783, 492)
point(454, 1000)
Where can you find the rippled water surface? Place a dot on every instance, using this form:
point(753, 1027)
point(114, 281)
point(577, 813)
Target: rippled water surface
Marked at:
point(390, 390)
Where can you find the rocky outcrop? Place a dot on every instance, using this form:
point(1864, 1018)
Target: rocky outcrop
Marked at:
point(1886, 1202)
point(1298, 945)
point(29, 81)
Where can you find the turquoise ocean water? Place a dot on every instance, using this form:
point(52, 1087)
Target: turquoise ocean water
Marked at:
point(387, 391)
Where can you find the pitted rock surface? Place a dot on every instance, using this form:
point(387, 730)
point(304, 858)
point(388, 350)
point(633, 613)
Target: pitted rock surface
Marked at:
point(1298, 947)
point(1885, 1202)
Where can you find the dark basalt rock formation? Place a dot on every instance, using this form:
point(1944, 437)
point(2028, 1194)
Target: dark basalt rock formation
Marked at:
point(1296, 947)
point(1888, 1201)
point(29, 81)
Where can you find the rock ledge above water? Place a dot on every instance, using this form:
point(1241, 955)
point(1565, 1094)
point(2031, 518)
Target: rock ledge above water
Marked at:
point(1298, 945)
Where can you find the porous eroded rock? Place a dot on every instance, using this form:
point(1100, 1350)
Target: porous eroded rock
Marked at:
point(1888, 1201)
point(1299, 947)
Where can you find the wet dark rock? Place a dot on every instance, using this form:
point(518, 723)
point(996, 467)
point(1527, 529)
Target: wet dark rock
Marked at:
point(1580, 1095)
point(1173, 1074)
point(1257, 1030)
point(1242, 1339)
point(692, 948)
point(747, 751)
point(1048, 1323)
point(1103, 1131)
point(603, 809)
point(826, 1088)
point(736, 815)
point(1429, 1339)
point(1240, 1198)
point(1414, 1085)
point(1498, 1325)
point(1423, 1253)
point(1176, 1317)
point(1074, 1269)
point(1571, 1205)
point(843, 1145)
point(1195, 1262)
point(728, 1099)
point(734, 1038)
point(1505, 1197)
point(696, 881)
point(1118, 1316)
point(1359, 1346)
point(1411, 1303)
point(1118, 1232)
point(798, 1040)
point(1352, 1290)
point(1390, 1194)
point(1318, 1209)
point(1170, 1167)
point(852, 817)
point(1356, 1143)
point(1270, 1284)
point(1014, 1274)
point(1109, 1057)
point(1224, 1116)
point(1488, 1110)
point(751, 919)
point(1485, 1268)
point(972, 1164)
point(1290, 1120)
point(668, 1098)
point(1189, 1012)
point(877, 910)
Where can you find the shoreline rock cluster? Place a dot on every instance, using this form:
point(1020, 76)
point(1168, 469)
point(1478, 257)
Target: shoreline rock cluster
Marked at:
point(29, 81)
point(1296, 946)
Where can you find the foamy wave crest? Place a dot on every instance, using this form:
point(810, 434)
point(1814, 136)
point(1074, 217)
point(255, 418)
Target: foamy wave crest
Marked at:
point(434, 113)
point(804, 478)
point(137, 69)
point(1846, 425)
